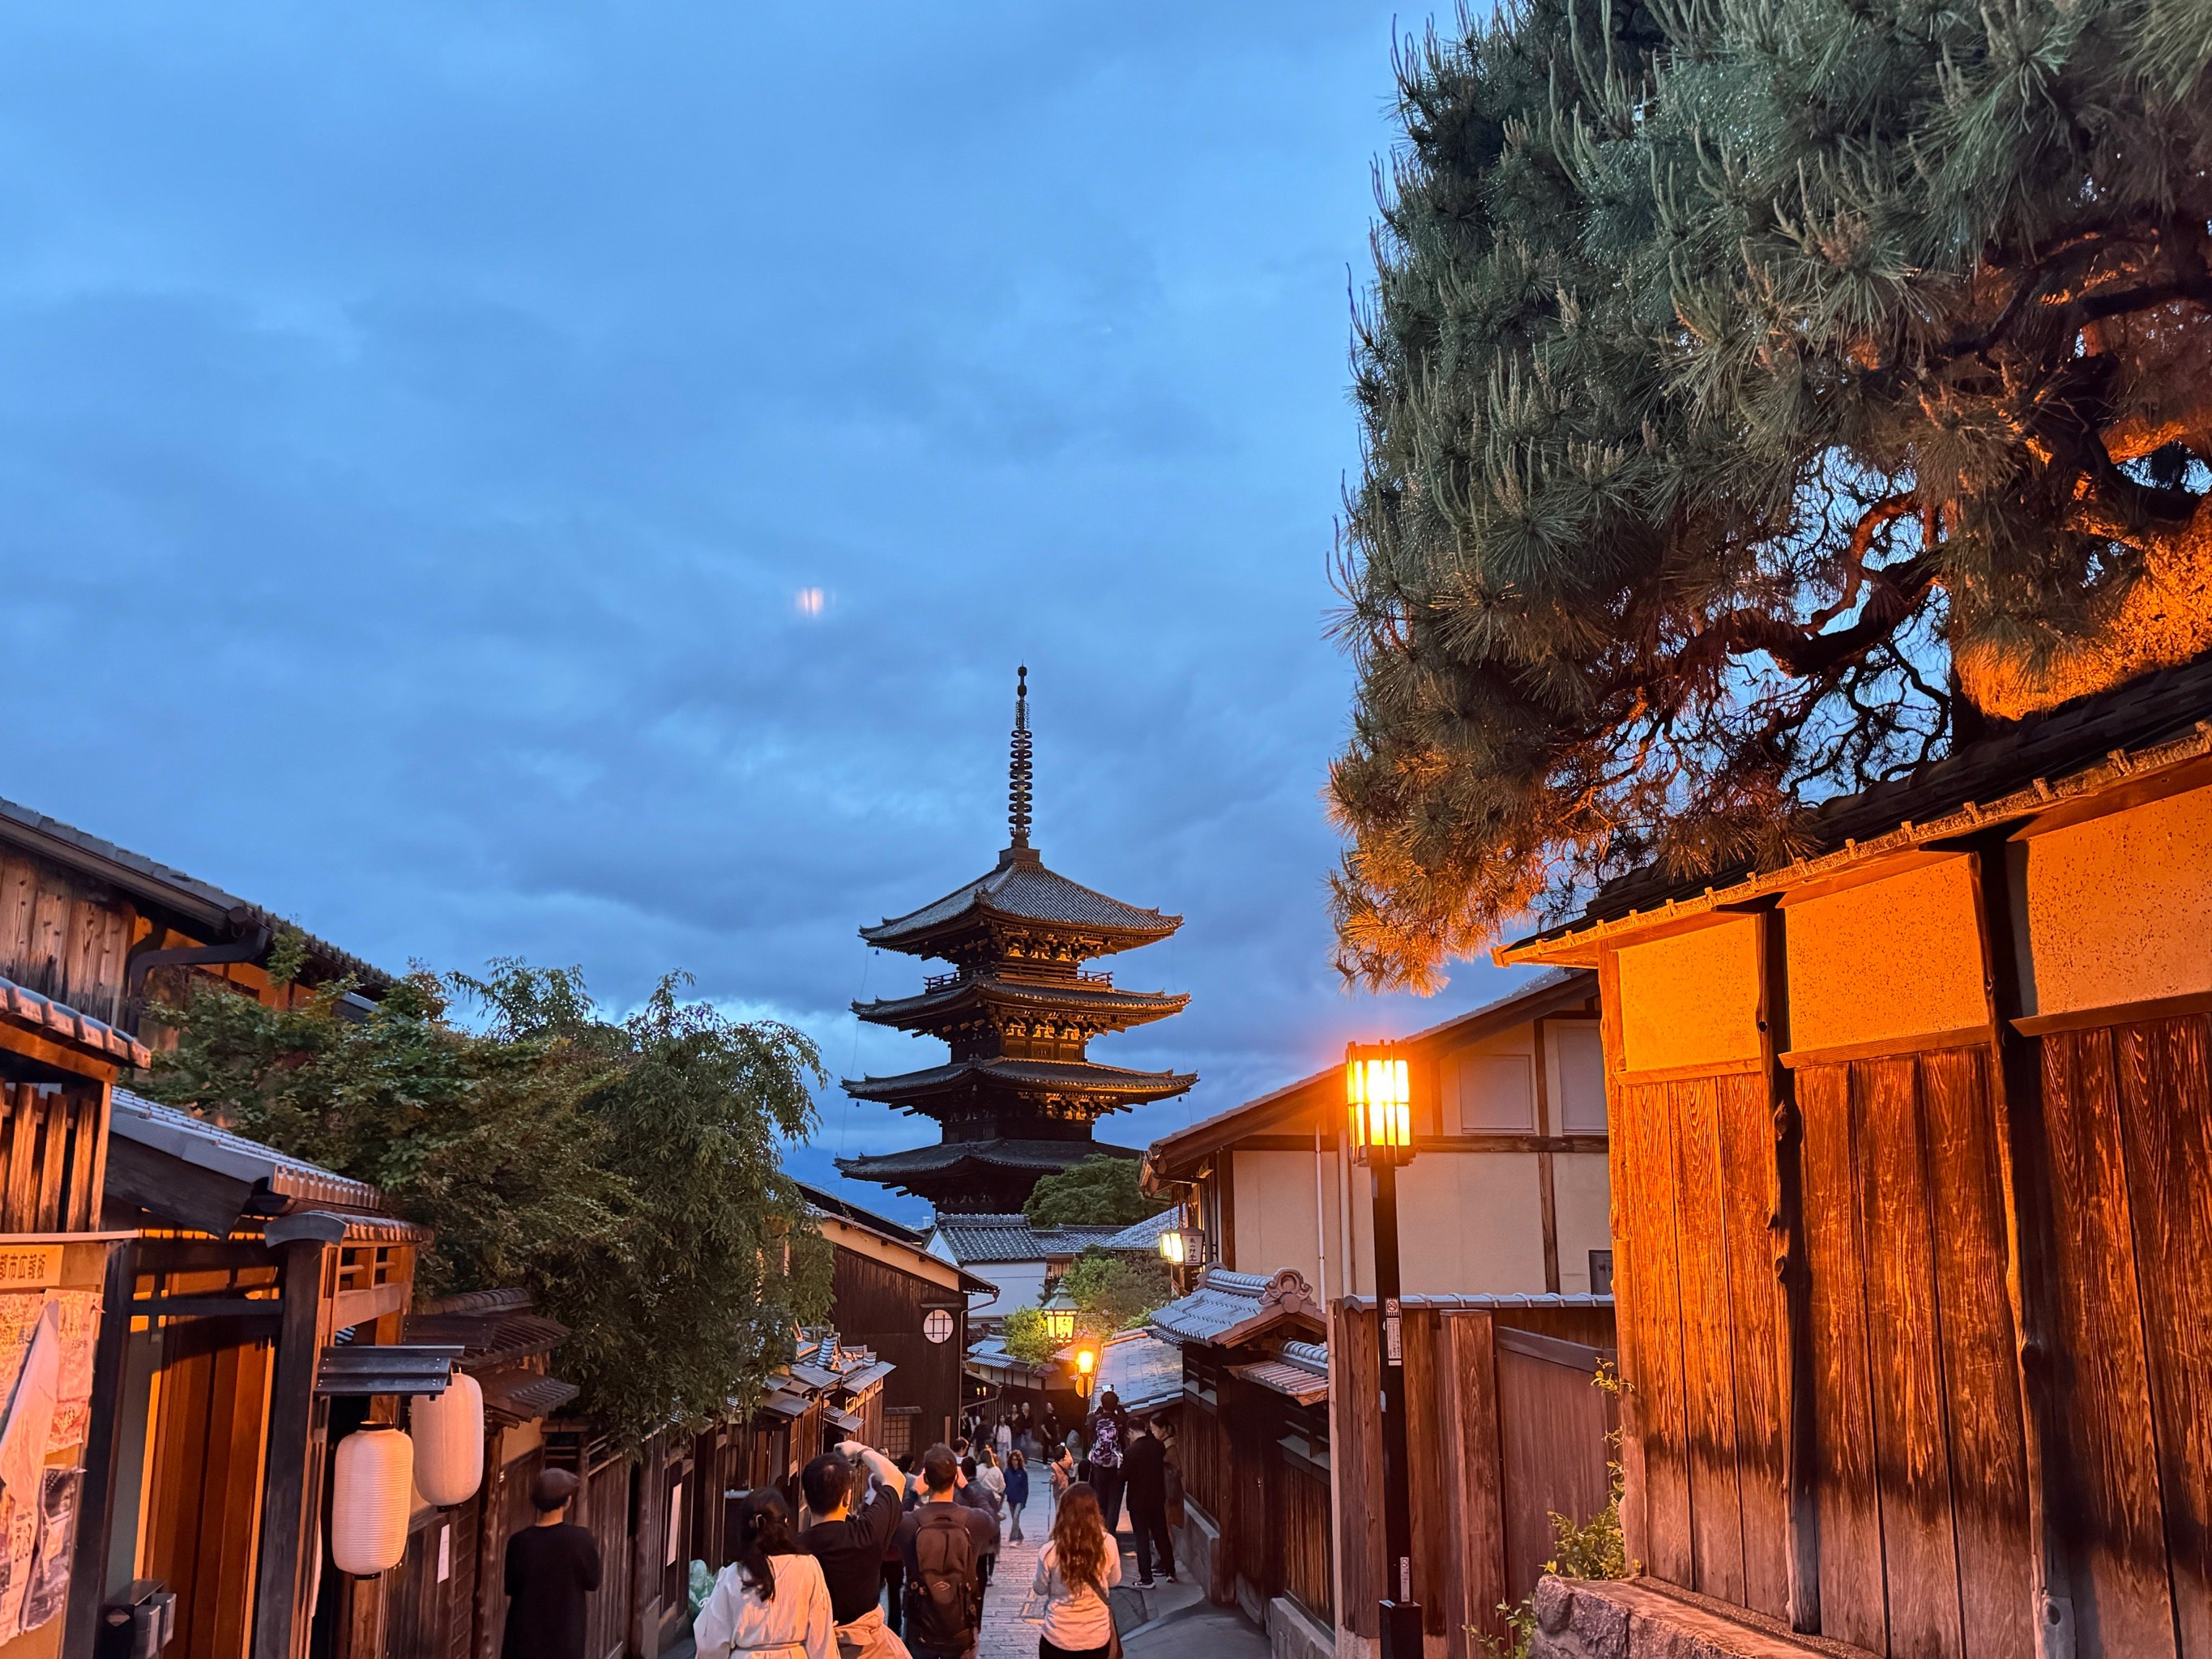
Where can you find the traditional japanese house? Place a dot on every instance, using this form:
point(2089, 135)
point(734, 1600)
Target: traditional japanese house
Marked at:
point(1252, 1439)
point(257, 1320)
point(892, 1294)
point(1023, 1263)
point(1508, 1188)
point(1020, 1096)
point(448, 1598)
point(1912, 1138)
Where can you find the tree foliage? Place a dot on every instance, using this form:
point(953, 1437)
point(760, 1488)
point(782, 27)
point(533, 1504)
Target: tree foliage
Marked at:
point(1110, 1292)
point(1758, 396)
point(627, 1172)
point(1101, 1191)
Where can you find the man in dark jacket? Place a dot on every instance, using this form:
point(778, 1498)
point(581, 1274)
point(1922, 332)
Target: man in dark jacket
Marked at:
point(1144, 1468)
point(550, 1568)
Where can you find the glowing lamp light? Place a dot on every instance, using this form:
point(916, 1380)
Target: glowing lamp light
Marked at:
point(1183, 1247)
point(1086, 1361)
point(449, 1442)
point(1060, 1317)
point(372, 1492)
point(1378, 1103)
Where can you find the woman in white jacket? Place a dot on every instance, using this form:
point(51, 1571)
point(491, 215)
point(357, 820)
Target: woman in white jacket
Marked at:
point(771, 1600)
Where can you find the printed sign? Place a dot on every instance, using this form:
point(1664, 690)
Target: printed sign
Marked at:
point(29, 1265)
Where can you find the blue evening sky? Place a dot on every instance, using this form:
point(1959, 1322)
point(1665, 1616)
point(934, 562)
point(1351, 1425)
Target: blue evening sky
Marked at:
point(420, 429)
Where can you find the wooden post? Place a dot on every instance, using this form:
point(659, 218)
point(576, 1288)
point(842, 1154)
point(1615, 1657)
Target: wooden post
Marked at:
point(292, 1486)
point(88, 1565)
point(1801, 1506)
point(646, 1524)
point(1548, 1198)
point(2016, 1092)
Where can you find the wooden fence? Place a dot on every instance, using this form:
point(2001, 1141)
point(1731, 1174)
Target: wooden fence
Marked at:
point(1257, 1464)
point(1506, 1428)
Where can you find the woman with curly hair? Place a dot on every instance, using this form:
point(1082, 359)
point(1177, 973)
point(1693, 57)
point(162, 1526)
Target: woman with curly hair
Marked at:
point(770, 1600)
point(1073, 1573)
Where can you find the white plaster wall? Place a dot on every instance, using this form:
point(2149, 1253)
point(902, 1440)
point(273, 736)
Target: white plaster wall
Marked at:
point(1581, 1198)
point(1019, 1283)
point(1691, 999)
point(2120, 909)
point(1893, 959)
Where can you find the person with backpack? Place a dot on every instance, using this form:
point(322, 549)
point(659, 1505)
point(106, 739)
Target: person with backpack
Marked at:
point(942, 1544)
point(1109, 1444)
point(1073, 1573)
point(772, 1599)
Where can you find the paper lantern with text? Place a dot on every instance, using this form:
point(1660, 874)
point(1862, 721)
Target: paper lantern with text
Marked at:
point(371, 1490)
point(449, 1442)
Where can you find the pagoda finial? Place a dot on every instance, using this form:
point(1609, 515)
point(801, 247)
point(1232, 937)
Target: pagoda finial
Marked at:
point(1017, 770)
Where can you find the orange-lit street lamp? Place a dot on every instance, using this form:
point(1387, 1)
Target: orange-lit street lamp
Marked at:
point(1379, 1105)
point(1086, 1361)
point(1059, 1312)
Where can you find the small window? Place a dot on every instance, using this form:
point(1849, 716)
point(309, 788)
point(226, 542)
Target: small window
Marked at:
point(1600, 1272)
point(1581, 1056)
point(1497, 1094)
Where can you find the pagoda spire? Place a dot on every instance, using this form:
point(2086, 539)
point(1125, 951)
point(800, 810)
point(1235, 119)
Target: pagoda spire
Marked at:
point(1019, 766)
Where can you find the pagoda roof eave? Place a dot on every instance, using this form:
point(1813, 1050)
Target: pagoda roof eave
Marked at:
point(1019, 891)
point(1023, 1077)
point(951, 1158)
point(1117, 1010)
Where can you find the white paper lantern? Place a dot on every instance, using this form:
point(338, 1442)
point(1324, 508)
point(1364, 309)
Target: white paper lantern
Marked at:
point(449, 1442)
point(372, 1490)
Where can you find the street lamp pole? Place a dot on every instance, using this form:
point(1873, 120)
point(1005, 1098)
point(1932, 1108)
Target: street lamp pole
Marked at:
point(1378, 1100)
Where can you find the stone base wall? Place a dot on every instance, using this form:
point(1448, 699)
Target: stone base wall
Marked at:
point(1197, 1548)
point(1582, 1618)
point(1294, 1633)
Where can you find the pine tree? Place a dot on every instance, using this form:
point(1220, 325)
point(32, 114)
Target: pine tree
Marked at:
point(1758, 396)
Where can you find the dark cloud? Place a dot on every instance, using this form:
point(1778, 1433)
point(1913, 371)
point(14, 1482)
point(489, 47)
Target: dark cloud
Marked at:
point(416, 428)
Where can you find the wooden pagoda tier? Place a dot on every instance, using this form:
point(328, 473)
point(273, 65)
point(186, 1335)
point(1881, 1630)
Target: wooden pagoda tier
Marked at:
point(1018, 1096)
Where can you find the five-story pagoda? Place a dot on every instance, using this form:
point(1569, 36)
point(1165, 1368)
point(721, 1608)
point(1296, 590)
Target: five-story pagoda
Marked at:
point(1019, 1096)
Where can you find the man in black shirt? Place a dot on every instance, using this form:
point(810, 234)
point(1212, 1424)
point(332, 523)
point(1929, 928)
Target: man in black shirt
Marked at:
point(1145, 1468)
point(550, 1568)
point(849, 1543)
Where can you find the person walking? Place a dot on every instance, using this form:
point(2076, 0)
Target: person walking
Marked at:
point(772, 1599)
point(550, 1568)
point(1145, 1472)
point(1002, 1438)
point(941, 1542)
point(1018, 1493)
point(1062, 1473)
point(1110, 1442)
point(986, 1494)
point(1073, 1573)
point(849, 1542)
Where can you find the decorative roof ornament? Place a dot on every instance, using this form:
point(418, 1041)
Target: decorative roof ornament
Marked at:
point(1018, 768)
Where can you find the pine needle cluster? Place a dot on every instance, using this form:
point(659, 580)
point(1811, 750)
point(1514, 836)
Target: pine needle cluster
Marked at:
point(1758, 396)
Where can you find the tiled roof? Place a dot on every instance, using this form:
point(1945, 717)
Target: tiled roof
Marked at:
point(206, 905)
point(514, 1393)
point(1228, 1308)
point(21, 1003)
point(1301, 1381)
point(2165, 709)
point(489, 1339)
point(888, 1167)
point(209, 1145)
point(1143, 1238)
point(1126, 1008)
point(1021, 889)
point(1025, 1077)
point(973, 1238)
point(829, 1203)
point(1143, 1371)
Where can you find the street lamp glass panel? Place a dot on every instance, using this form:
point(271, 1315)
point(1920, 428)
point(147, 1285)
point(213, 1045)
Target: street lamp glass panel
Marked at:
point(1060, 1317)
point(1086, 1360)
point(1171, 1247)
point(1378, 1104)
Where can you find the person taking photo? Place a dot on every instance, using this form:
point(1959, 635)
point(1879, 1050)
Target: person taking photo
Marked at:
point(849, 1540)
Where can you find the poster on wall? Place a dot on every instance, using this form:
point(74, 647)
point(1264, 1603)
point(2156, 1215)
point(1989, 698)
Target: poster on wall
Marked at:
point(80, 1340)
point(47, 1592)
point(19, 1549)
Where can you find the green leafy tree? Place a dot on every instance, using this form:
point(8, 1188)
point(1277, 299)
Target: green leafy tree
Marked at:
point(627, 1172)
point(1026, 1338)
point(1113, 1292)
point(1101, 1191)
point(1759, 396)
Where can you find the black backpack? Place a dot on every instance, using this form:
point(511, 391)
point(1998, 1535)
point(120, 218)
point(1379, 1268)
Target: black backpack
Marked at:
point(944, 1597)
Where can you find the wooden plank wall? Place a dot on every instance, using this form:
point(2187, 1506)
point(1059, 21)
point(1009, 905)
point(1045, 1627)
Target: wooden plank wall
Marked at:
point(62, 937)
point(53, 1150)
point(1524, 1439)
point(2128, 1112)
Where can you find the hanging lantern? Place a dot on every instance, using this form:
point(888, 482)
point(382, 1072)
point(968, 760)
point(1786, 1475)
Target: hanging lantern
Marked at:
point(1378, 1102)
point(449, 1442)
point(371, 1490)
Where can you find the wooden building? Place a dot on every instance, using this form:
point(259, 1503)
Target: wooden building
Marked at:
point(1508, 1190)
point(1912, 1139)
point(1252, 1440)
point(885, 1285)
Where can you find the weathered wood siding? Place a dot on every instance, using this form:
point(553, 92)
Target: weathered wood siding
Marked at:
point(875, 1305)
point(63, 936)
